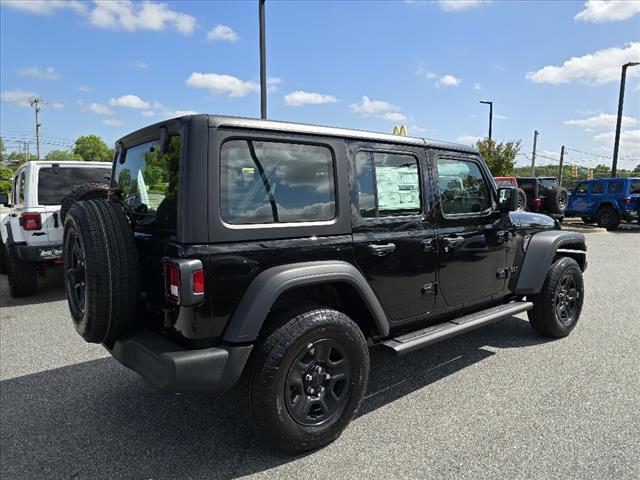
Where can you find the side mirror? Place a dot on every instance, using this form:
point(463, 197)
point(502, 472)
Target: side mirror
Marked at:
point(507, 199)
point(4, 199)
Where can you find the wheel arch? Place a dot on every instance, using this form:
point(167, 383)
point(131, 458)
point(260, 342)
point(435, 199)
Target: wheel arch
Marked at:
point(278, 284)
point(542, 250)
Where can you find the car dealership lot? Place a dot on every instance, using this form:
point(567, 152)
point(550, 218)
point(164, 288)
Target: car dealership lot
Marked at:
point(498, 402)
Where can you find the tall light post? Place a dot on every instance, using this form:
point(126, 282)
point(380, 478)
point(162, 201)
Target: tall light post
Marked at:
point(490, 114)
point(616, 142)
point(263, 64)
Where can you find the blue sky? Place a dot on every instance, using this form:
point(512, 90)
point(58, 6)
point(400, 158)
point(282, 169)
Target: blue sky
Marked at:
point(111, 68)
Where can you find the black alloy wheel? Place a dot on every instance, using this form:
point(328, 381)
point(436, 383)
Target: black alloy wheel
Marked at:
point(318, 383)
point(75, 274)
point(566, 299)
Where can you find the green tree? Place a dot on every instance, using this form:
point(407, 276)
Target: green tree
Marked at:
point(1, 149)
point(499, 157)
point(93, 149)
point(61, 155)
point(5, 179)
point(19, 157)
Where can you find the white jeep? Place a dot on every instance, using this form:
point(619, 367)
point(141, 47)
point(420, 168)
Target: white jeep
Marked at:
point(31, 226)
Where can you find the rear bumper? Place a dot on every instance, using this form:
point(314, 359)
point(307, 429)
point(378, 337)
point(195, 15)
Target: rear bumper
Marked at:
point(29, 253)
point(175, 369)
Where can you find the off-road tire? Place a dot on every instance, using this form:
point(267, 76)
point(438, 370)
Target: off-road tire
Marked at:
point(608, 218)
point(291, 335)
point(107, 269)
point(22, 276)
point(588, 220)
point(86, 191)
point(544, 316)
point(556, 200)
point(522, 199)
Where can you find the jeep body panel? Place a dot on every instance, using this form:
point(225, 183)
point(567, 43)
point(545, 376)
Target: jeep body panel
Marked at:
point(621, 194)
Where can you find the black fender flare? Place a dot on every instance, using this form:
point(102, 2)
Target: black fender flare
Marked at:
point(254, 306)
point(541, 250)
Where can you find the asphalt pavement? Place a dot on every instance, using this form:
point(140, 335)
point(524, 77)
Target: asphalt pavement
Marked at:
point(499, 402)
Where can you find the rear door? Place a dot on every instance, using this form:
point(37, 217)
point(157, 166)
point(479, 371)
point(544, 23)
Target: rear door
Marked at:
point(578, 200)
point(472, 233)
point(394, 243)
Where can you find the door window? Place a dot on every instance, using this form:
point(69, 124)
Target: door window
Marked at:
point(463, 189)
point(582, 188)
point(388, 184)
point(635, 187)
point(597, 188)
point(615, 187)
point(20, 190)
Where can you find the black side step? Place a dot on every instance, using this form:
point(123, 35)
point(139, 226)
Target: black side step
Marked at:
point(427, 336)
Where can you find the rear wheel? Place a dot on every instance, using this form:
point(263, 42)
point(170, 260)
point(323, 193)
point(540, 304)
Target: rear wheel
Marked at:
point(22, 276)
point(307, 379)
point(608, 218)
point(101, 270)
point(557, 308)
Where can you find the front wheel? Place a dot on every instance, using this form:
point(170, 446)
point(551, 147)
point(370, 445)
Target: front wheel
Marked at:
point(556, 309)
point(22, 276)
point(307, 379)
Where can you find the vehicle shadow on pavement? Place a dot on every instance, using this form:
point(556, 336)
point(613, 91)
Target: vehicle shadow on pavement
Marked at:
point(99, 420)
point(50, 289)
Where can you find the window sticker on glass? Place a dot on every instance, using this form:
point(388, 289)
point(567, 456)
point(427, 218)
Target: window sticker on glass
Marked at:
point(398, 188)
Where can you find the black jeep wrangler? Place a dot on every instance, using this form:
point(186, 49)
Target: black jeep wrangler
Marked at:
point(278, 253)
point(545, 195)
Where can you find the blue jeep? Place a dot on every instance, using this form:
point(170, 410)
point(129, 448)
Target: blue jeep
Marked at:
point(606, 201)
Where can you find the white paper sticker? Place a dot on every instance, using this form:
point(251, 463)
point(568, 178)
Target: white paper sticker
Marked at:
point(398, 188)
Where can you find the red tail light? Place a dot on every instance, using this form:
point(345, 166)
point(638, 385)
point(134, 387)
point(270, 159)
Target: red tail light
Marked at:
point(31, 221)
point(172, 279)
point(198, 281)
point(626, 200)
point(537, 202)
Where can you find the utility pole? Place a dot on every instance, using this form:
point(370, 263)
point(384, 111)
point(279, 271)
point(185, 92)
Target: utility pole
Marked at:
point(533, 154)
point(616, 143)
point(35, 103)
point(561, 163)
point(263, 63)
point(490, 115)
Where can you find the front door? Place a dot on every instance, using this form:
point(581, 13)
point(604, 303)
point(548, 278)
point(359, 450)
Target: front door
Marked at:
point(472, 235)
point(394, 244)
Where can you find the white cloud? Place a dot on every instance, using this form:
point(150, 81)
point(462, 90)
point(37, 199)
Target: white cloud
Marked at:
point(272, 83)
point(45, 7)
point(17, 97)
point(84, 88)
point(598, 11)
point(497, 116)
point(114, 122)
point(182, 113)
point(136, 64)
point(629, 139)
point(224, 84)
point(100, 109)
point(448, 81)
point(468, 139)
point(417, 129)
point(424, 72)
point(602, 120)
point(129, 101)
point(148, 113)
point(394, 116)
point(130, 16)
point(48, 73)
point(477, 86)
point(369, 107)
point(596, 68)
point(222, 33)
point(300, 98)
point(54, 105)
point(458, 5)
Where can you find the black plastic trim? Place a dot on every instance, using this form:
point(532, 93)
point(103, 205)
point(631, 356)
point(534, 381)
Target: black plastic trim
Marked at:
point(247, 320)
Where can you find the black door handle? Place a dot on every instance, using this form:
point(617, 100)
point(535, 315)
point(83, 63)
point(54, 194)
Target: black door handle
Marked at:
point(429, 244)
point(381, 250)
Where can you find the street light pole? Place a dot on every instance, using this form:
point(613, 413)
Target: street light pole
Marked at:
point(616, 142)
point(490, 115)
point(263, 64)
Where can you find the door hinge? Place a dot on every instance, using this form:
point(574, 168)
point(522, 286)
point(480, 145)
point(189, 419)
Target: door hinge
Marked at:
point(430, 288)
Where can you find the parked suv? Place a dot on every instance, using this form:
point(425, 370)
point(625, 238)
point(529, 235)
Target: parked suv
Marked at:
point(505, 182)
point(31, 230)
point(606, 201)
point(276, 253)
point(544, 195)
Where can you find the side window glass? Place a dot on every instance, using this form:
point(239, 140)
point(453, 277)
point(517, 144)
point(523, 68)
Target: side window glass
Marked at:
point(635, 187)
point(388, 184)
point(276, 182)
point(615, 187)
point(20, 199)
point(596, 188)
point(463, 189)
point(582, 188)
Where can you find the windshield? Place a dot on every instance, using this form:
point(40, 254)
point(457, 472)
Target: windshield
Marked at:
point(54, 183)
point(148, 180)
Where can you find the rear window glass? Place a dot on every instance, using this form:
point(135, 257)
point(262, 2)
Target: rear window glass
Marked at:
point(528, 185)
point(54, 183)
point(549, 182)
point(635, 187)
point(276, 182)
point(148, 180)
point(615, 187)
point(505, 183)
point(597, 188)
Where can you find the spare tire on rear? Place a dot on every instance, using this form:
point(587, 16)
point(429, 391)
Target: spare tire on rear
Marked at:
point(556, 200)
point(101, 270)
point(522, 199)
point(86, 191)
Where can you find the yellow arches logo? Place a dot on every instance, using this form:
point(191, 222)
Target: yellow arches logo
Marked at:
point(400, 130)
